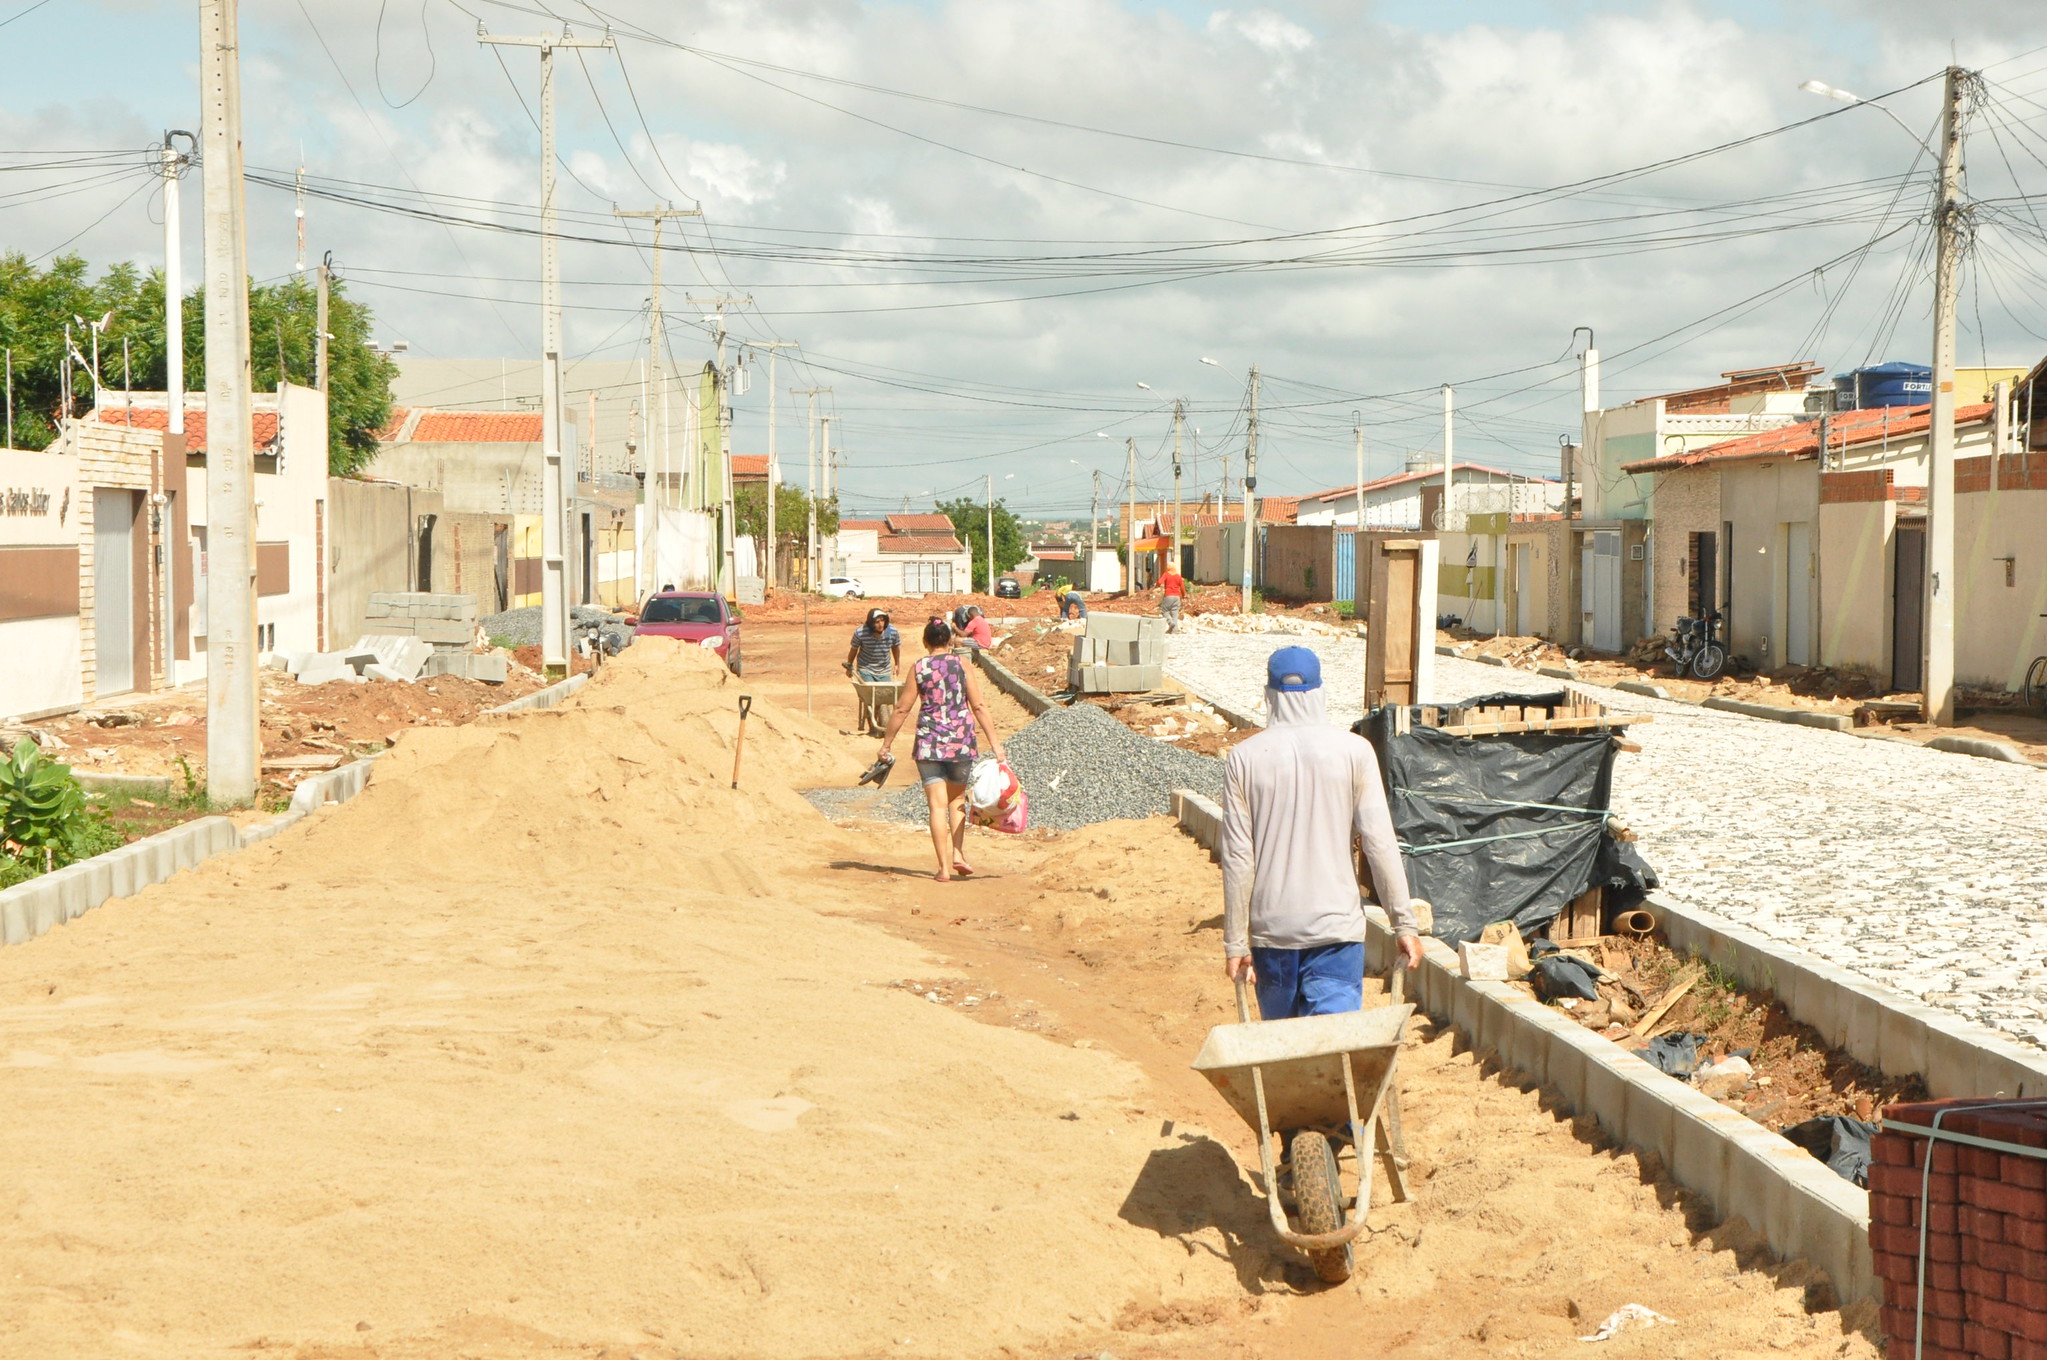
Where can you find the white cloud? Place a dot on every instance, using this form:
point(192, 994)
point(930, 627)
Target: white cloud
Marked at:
point(785, 164)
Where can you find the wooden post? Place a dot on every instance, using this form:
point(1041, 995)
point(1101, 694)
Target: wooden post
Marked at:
point(1400, 631)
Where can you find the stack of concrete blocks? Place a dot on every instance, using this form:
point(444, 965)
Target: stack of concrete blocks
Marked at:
point(1118, 654)
point(446, 622)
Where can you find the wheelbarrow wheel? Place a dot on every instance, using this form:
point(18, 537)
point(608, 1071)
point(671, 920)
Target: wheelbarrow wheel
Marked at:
point(1318, 1199)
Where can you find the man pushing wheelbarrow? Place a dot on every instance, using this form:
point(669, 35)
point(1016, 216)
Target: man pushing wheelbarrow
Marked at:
point(1294, 795)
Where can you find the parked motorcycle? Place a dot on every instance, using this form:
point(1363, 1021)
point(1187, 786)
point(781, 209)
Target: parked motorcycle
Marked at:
point(1698, 648)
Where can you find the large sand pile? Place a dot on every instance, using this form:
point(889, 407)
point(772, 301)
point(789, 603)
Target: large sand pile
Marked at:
point(551, 1040)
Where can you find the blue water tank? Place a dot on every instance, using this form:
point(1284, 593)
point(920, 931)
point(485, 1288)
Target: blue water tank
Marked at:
point(1883, 385)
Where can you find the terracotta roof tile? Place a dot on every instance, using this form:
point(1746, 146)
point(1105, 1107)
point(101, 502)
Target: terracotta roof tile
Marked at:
point(1845, 430)
point(868, 525)
point(263, 423)
point(749, 467)
point(477, 427)
point(919, 524)
point(919, 543)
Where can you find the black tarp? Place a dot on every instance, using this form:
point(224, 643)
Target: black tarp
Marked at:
point(1504, 828)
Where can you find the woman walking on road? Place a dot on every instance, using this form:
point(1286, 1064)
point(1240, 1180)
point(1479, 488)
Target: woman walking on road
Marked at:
point(947, 704)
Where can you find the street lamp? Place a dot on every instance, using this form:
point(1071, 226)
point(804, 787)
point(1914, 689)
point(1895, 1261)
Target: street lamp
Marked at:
point(1210, 362)
point(1835, 92)
point(1145, 385)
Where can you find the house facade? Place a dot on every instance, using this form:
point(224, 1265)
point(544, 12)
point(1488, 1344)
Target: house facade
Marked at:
point(901, 555)
point(1811, 541)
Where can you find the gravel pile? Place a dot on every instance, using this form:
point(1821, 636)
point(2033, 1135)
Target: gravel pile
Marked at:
point(521, 627)
point(1079, 766)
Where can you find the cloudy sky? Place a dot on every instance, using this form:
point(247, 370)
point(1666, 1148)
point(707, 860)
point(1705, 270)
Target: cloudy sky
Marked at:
point(988, 221)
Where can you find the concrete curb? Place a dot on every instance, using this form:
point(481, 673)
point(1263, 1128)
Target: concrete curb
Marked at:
point(1012, 684)
point(1647, 691)
point(1978, 746)
point(1801, 1208)
point(541, 698)
point(1831, 722)
point(1557, 672)
point(1871, 1023)
point(30, 909)
point(131, 783)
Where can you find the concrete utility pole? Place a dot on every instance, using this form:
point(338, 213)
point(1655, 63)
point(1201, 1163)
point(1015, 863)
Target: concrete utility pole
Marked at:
point(810, 562)
point(1446, 522)
point(721, 386)
point(1179, 427)
point(1357, 431)
point(773, 534)
point(1094, 520)
point(1250, 485)
point(1938, 672)
point(174, 163)
point(320, 335)
point(657, 446)
point(990, 479)
point(233, 744)
point(1130, 519)
point(554, 507)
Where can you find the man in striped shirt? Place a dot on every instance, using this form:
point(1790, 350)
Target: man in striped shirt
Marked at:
point(877, 649)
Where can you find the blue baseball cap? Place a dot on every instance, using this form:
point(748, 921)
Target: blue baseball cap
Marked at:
point(1292, 669)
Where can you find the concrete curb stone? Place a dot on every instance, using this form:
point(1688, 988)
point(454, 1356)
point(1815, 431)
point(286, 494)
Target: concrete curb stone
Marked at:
point(1010, 683)
point(32, 908)
point(1832, 722)
point(1978, 746)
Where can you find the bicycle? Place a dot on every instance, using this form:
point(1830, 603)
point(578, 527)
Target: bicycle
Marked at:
point(2035, 688)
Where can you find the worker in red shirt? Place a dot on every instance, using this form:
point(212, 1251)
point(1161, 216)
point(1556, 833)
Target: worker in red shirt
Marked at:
point(1172, 591)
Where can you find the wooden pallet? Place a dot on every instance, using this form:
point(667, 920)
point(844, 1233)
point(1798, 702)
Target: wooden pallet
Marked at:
point(1575, 715)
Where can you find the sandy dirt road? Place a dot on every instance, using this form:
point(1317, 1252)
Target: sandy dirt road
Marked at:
point(550, 1044)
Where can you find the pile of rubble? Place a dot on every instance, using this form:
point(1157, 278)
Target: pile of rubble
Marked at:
point(416, 635)
point(1280, 625)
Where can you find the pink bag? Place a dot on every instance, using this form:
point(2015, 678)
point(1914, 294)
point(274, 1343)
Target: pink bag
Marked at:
point(1011, 814)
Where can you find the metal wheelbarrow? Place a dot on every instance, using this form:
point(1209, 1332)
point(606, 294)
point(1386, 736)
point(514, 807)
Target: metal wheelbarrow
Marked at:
point(1310, 1077)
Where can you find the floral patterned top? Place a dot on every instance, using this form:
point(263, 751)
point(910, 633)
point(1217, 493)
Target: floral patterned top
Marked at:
point(945, 724)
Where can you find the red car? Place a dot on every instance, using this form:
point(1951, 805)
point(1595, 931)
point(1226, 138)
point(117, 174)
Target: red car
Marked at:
point(699, 616)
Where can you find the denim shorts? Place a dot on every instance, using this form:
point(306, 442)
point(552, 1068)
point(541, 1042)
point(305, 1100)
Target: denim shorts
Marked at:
point(958, 771)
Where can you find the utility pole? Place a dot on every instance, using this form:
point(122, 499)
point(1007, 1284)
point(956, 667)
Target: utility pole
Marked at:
point(1130, 525)
point(810, 563)
point(990, 479)
point(773, 532)
point(174, 163)
point(1445, 522)
point(1250, 486)
point(1179, 427)
point(233, 742)
point(1938, 671)
point(554, 507)
point(1357, 430)
point(298, 215)
point(320, 335)
point(657, 446)
point(721, 387)
point(1094, 520)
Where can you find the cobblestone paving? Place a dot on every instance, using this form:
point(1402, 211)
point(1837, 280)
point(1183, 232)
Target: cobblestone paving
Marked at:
point(1918, 869)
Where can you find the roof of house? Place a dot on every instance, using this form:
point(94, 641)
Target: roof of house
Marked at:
point(1339, 492)
point(869, 525)
point(1846, 429)
point(264, 423)
point(1791, 377)
point(919, 524)
point(428, 425)
point(749, 467)
point(919, 543)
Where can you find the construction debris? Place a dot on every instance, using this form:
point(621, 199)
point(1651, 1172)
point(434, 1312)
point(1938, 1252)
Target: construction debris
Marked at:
point(1118, 654)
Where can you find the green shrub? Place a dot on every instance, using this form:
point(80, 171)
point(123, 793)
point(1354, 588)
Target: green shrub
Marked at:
point(44, 818)
point(1346, 609)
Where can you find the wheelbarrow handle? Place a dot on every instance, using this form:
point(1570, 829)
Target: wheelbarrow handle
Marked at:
point(1243, 1007)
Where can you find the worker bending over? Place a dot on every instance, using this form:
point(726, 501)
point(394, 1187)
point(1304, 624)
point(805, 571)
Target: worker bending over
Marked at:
point(1293, 796)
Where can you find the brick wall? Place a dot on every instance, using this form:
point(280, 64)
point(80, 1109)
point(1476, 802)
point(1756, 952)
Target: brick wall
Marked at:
point(1869, 484)
point(1985, 1217)
point(114, 456)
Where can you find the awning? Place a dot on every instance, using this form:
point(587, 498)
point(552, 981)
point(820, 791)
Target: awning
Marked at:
point(1159, 544)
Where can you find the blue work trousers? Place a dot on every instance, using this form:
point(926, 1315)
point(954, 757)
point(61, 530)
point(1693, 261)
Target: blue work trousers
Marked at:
point(1325, 980)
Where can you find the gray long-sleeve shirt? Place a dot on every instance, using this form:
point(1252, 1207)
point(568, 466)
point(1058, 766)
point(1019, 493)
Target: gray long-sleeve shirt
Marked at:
point(1292, 797)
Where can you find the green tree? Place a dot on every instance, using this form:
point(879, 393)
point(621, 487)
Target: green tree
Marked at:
point(792, 514)
point(36, 303)
point(970, 524)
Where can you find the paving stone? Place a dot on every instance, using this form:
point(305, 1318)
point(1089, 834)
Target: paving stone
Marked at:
point(1914, 868)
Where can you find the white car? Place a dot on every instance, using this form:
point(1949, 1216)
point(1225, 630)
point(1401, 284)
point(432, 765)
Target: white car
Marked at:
point(844, 588)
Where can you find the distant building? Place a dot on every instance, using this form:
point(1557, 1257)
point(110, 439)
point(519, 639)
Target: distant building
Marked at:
point(901, 555)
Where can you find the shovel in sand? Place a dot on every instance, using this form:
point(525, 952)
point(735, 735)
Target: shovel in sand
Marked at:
point(739, 746)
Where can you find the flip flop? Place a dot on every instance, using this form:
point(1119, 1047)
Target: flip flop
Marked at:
point(963, 869)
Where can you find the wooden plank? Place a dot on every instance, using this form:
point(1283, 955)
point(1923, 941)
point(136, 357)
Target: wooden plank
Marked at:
point(1584, 724)
point(1584, 916)
point(1686, 981)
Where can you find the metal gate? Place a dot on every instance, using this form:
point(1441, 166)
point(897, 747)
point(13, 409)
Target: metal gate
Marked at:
point(1346, 567)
